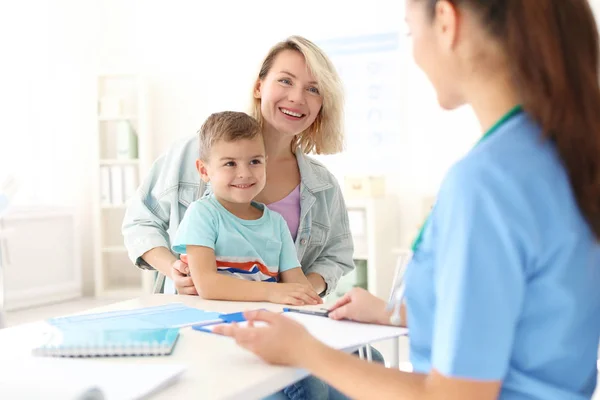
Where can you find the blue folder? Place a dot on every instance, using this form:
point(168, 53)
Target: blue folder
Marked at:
point(174, 315)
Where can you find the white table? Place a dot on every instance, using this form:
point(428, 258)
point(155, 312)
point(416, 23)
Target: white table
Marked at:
point(216, 367)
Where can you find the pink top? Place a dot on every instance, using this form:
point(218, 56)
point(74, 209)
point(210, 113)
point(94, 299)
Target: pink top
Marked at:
point(289, 208)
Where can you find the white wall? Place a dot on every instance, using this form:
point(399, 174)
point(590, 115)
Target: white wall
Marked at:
point(48, 107)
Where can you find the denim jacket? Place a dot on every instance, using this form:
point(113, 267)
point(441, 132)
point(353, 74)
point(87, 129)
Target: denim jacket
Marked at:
point(324, 243)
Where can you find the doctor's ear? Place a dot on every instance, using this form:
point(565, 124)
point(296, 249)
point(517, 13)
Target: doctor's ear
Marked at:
point(202, 170)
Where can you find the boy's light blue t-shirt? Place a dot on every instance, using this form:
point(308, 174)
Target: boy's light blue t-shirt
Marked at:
point(255, 250)
point(505, 285)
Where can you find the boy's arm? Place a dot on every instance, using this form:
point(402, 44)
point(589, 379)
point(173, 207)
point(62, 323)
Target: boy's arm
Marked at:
point(294, 275)
point(214, 286)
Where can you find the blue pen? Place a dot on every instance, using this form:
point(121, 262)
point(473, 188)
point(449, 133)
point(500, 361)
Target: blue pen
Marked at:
point(320, 313)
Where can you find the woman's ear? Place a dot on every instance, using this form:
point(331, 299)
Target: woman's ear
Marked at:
point(257, 88)
point(202, 170)
point(447, 22)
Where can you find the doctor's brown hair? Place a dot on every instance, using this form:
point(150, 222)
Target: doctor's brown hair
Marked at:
point(554, 48)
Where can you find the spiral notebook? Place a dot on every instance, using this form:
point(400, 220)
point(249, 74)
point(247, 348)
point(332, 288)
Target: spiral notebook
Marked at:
point(74, 342)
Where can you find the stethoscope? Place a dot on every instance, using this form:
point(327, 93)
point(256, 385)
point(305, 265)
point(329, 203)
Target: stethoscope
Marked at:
point(398, 288)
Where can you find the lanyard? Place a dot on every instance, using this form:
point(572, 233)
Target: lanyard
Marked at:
point(514, 111)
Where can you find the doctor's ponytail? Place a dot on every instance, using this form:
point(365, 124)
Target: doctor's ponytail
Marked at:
point(554, 49)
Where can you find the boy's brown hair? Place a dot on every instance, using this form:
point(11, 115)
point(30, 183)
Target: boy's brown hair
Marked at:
point(226, 125)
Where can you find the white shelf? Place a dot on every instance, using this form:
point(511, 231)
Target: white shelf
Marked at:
point(122, 100)
point(114, 161)
point(104, 118)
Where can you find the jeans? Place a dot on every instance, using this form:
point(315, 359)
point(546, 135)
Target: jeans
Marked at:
point(312, 388)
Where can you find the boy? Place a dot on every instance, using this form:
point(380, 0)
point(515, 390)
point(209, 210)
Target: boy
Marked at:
point(236, 248)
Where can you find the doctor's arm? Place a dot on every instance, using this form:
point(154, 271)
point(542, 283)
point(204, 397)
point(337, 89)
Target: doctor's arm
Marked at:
point(285, 342)
point(361, 380)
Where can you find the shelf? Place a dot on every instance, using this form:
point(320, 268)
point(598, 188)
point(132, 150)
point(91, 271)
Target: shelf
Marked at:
point(114, 249)
point(114, 161)
point(121, 154)
point(116, 118)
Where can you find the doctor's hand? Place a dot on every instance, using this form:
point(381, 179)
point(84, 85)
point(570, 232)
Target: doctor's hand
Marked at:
point(181, 278)
point(273, 337)
point(361, 306)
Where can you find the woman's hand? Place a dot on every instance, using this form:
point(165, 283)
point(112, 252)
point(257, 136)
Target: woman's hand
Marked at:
point(273, 337)
point(296, 294)
point(181, 278)
point(361, 306)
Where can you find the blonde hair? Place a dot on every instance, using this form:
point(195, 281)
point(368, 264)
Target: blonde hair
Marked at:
point(230, 126)
point(326, 134)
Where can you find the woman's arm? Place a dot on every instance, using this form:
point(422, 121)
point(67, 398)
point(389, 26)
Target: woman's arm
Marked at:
point(285, 342)
point(316, 281)
point(336, 257)
point(150, 212)
point(161, 259)
point(362, 380)
point(155, 209)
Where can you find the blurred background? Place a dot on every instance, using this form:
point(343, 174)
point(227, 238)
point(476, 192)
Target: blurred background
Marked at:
point(93, 91)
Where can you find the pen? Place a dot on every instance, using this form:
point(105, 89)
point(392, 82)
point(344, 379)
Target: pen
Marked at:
point(320, 313)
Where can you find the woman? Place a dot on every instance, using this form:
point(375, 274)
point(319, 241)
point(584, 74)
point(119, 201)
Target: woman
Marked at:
point(297, 98)
point(503, 290)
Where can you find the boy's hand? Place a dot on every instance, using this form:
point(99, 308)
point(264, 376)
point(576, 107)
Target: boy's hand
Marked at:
point(293, 293)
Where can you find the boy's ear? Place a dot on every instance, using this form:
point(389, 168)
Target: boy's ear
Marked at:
point(201, 167)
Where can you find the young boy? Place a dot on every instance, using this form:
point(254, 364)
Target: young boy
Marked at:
point(238, 249)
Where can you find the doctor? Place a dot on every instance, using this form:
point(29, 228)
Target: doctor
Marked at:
point(503, 291)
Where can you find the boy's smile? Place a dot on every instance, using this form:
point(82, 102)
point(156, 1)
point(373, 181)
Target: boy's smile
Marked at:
point(236, 170)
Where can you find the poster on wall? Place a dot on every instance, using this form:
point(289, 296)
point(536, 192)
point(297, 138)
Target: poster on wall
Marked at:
point(370, 70)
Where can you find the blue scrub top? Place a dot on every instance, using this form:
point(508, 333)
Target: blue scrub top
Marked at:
point(505, 283)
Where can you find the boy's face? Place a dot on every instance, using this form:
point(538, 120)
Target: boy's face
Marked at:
point(236, 170)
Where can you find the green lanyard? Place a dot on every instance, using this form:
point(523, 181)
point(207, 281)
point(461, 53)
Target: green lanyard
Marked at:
point(514, 111)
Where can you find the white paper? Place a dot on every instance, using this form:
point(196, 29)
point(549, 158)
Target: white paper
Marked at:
point(341, 334)
point(58, 378)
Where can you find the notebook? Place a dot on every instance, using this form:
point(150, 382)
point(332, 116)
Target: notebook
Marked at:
point(83, 342)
